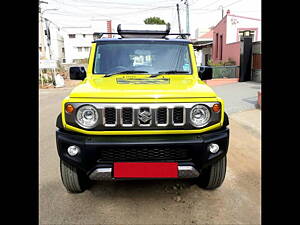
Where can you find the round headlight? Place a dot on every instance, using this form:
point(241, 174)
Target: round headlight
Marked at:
point(87, 116)
point(199, 116)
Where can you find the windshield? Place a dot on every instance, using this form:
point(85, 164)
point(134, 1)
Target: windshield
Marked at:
point(146, 57)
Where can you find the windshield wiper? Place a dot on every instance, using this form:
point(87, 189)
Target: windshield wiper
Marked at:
point(125, 72)
point(168, 72)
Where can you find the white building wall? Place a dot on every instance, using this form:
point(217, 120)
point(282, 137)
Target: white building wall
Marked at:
point(83, 39)
point(73, 45)
point(234, 23)
point(56, 42)
point(198, 55)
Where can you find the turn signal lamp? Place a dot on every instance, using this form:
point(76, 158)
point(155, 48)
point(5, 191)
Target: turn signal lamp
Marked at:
point(216, 107)
point(69, 108)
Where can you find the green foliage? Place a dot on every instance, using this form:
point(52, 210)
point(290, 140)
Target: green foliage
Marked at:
point(211, 63)
point(229, 62)
point(45, 78)
point(154, 20)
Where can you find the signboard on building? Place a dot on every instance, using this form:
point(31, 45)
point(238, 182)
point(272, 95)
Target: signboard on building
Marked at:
point(48, 64)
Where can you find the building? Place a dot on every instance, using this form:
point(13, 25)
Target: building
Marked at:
point(203, 48)
point(227, 35)
point(51, 42)
point(77, 40)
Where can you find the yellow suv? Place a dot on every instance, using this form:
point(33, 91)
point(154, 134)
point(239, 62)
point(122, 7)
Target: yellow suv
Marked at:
point(142, 111)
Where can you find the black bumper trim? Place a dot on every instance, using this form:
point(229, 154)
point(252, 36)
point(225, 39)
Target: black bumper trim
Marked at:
point(91, 145)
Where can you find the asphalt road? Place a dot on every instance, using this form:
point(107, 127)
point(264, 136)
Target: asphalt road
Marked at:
point(237, 201)
point(239, 97)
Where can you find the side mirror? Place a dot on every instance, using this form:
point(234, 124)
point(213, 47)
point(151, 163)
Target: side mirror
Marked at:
point(77, 73)
point(205, 72)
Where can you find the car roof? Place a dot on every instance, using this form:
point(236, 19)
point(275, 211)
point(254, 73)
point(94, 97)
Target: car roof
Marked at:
point(177, 40)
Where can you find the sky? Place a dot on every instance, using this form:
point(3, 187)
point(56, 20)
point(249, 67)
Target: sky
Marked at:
point(203, 13)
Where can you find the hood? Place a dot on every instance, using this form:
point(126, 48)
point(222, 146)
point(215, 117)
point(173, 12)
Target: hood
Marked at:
point(125, 86)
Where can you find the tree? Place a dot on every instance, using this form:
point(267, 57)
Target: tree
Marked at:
point(154, 20)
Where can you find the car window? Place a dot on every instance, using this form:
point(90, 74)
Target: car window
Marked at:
point(151, 57)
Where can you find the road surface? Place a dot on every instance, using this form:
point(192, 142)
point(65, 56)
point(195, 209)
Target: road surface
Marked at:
point(237, 201)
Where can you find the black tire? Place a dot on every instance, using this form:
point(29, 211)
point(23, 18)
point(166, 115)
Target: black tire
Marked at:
point(213, 176)
point(75, 181)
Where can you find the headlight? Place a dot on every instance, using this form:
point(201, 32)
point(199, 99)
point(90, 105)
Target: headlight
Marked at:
point(87, 116)
point(199, 116)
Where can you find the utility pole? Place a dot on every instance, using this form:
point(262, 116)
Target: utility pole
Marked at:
point(43, 54)
point(186, 2)
point(41, 36)
point(221, 7)
point(178, 18)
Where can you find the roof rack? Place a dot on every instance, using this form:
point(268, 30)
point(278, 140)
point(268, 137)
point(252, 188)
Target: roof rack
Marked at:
point(145, 33)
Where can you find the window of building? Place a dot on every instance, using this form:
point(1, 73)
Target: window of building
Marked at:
point(83, 35)
point(217, 45)
point(86, 49)
point(79, 49)
point(221, 46)
point(63, 50)
point(72, 35)
point(40, 49)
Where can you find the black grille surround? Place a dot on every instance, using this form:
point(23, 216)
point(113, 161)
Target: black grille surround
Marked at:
point(178, 115)
point(162, 116)
point(144, 153)
point(129, 116)
point(110, 116)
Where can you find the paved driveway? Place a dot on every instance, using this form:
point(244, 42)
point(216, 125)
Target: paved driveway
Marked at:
point(238, 96)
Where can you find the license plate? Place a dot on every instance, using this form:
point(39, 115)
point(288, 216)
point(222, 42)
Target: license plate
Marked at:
point(145, 170)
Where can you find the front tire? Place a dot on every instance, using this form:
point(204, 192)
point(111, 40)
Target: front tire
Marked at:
point(213, 176)
point(75, 181)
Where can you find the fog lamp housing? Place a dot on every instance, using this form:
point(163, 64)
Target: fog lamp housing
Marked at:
point(73, 150)
point(213, 147)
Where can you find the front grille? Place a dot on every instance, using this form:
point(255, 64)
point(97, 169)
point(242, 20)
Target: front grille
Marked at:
point(144, 153)
point(143, 116)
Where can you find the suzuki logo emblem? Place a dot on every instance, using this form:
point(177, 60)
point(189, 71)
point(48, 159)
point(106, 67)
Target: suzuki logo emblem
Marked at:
point(144, 116)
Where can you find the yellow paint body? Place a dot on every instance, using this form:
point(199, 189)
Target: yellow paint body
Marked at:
point(179, 88)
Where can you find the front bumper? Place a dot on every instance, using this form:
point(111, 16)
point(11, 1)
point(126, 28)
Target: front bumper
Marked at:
point(188, 150)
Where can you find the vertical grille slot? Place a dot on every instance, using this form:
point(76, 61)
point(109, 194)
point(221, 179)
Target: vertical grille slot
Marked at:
point(178, 116)
point(162, 116)
point(110, 117)
point(127, 117)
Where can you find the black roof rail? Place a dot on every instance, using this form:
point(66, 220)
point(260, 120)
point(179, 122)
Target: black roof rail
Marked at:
point(98, 35)
point(143, 33)
point(181, 35)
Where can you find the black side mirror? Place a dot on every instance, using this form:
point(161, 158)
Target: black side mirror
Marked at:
point(77, 73)
point(205, 72)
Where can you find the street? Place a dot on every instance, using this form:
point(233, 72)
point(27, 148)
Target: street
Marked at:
point(237, 201)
